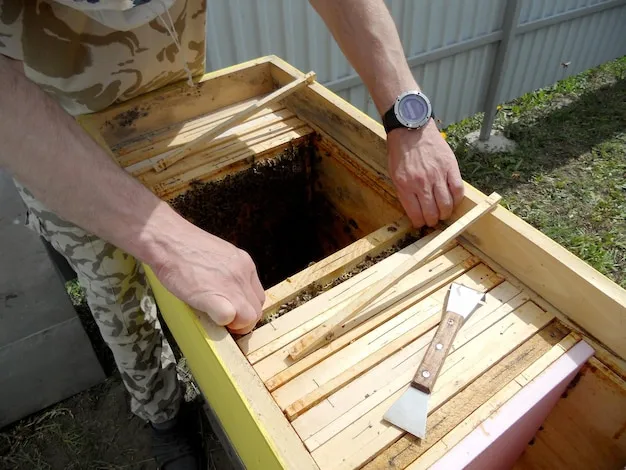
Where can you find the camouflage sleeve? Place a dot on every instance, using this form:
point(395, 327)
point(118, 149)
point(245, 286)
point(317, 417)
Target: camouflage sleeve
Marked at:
point(88, 64)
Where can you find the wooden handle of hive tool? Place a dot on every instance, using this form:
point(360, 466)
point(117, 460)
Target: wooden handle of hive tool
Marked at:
point(335, 326)
point(279, 94)
point(437, 352)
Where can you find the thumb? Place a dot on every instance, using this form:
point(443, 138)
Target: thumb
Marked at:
point(218, 307)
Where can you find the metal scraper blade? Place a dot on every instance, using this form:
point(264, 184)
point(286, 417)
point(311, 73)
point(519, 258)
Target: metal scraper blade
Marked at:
point(409, 412)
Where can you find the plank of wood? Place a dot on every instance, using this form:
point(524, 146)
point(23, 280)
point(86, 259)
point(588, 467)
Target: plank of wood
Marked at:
point(257, 152)
point(276, 95)
point(222, 151)
point(178, 102)
point(586, 427)
point(414, 287)
point(353, 192)
point(332, 266)
point(336, 371)
point(278, 368)
point(589, 298)
point(500, 301)
point(288, 396)
point(609, 358)
point(345, 123)
point(370, 433)
point(455, 411)
point(179, 130)
point(368, 175)
point(494, 403)
point(334, 326)
point(142, 160)
point(298, 316)
point(288, 369)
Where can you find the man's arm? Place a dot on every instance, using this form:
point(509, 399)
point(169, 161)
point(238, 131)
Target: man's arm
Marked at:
point(421, 164)
point(51, 155)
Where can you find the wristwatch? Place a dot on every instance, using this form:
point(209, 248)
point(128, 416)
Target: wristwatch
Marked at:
point(411, 110)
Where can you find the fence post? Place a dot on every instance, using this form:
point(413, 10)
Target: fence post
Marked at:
point(509, 30)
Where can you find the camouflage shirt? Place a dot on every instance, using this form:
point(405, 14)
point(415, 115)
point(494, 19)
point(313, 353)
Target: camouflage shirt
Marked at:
point(89, 54)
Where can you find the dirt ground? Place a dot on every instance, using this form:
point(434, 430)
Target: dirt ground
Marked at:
point(95, 429)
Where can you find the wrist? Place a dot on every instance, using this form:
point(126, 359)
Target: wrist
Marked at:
point(385, 96)
point(160, 238)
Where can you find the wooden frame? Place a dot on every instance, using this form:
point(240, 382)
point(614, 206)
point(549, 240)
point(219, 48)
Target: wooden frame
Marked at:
point(354, 177)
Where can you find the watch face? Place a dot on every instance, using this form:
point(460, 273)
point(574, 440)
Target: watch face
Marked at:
point(413, 109)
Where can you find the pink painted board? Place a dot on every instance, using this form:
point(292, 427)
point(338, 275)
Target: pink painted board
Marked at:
point(500, 440)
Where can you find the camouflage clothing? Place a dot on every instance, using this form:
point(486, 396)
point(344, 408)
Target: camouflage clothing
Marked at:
point(87, 65)
point(89, 55)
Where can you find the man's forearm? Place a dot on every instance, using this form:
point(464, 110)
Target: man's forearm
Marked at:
point(50, 154)
point(368, 37)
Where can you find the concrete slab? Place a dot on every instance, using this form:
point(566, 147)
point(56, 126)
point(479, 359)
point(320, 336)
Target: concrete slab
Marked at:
point(32, 296)
point(45, 355)
point(44, 368)
point(497, 142)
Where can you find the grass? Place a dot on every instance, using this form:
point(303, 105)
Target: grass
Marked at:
point(567, 176)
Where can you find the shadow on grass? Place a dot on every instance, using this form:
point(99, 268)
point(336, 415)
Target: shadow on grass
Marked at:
point(562, 131)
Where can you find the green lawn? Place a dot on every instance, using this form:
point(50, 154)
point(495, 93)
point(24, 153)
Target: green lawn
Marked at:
point(568, 175)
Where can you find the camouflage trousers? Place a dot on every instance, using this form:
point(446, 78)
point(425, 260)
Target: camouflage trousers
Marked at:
point(123, 307)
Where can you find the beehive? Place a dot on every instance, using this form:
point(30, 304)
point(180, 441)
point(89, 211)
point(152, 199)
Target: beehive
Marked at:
point(302, 185)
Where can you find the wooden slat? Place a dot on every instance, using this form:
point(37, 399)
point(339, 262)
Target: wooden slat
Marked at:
point(332, 266)
point(456, 410)
point(223, 150)
point(615, 363)
point(328, 376)
point(334, 326)
point(143, 159)
point(494, 403)
point(384, 374)
point(413, 288)
point(288, 369)
point(148, 144)
point(353, 191)
point(297, 317)
point(279, 368)
point(206, 172)
point(178, 102)
point(370, 433)
point(276, 95)
point(373, 359)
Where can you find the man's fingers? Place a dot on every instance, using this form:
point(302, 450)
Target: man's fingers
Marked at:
point(242, 331)
point(456, 186)
point(412, 207)
point(428, 205)
point(257, 287)
point(247, 316)
point(219, 308)
point(444, 200)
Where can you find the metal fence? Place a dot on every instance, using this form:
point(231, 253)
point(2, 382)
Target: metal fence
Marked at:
point(467, 55)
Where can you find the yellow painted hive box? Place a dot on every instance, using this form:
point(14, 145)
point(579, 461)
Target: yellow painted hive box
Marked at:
point(535, 379)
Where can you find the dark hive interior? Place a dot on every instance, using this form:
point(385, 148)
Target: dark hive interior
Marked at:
point(273, 211)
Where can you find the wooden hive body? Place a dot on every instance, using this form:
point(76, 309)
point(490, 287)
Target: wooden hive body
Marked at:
point(546, 311)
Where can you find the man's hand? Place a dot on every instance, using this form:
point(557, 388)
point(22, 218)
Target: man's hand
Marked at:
point(425, 173)
point(421, 163)
point(213, 276)
point(48, 152)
